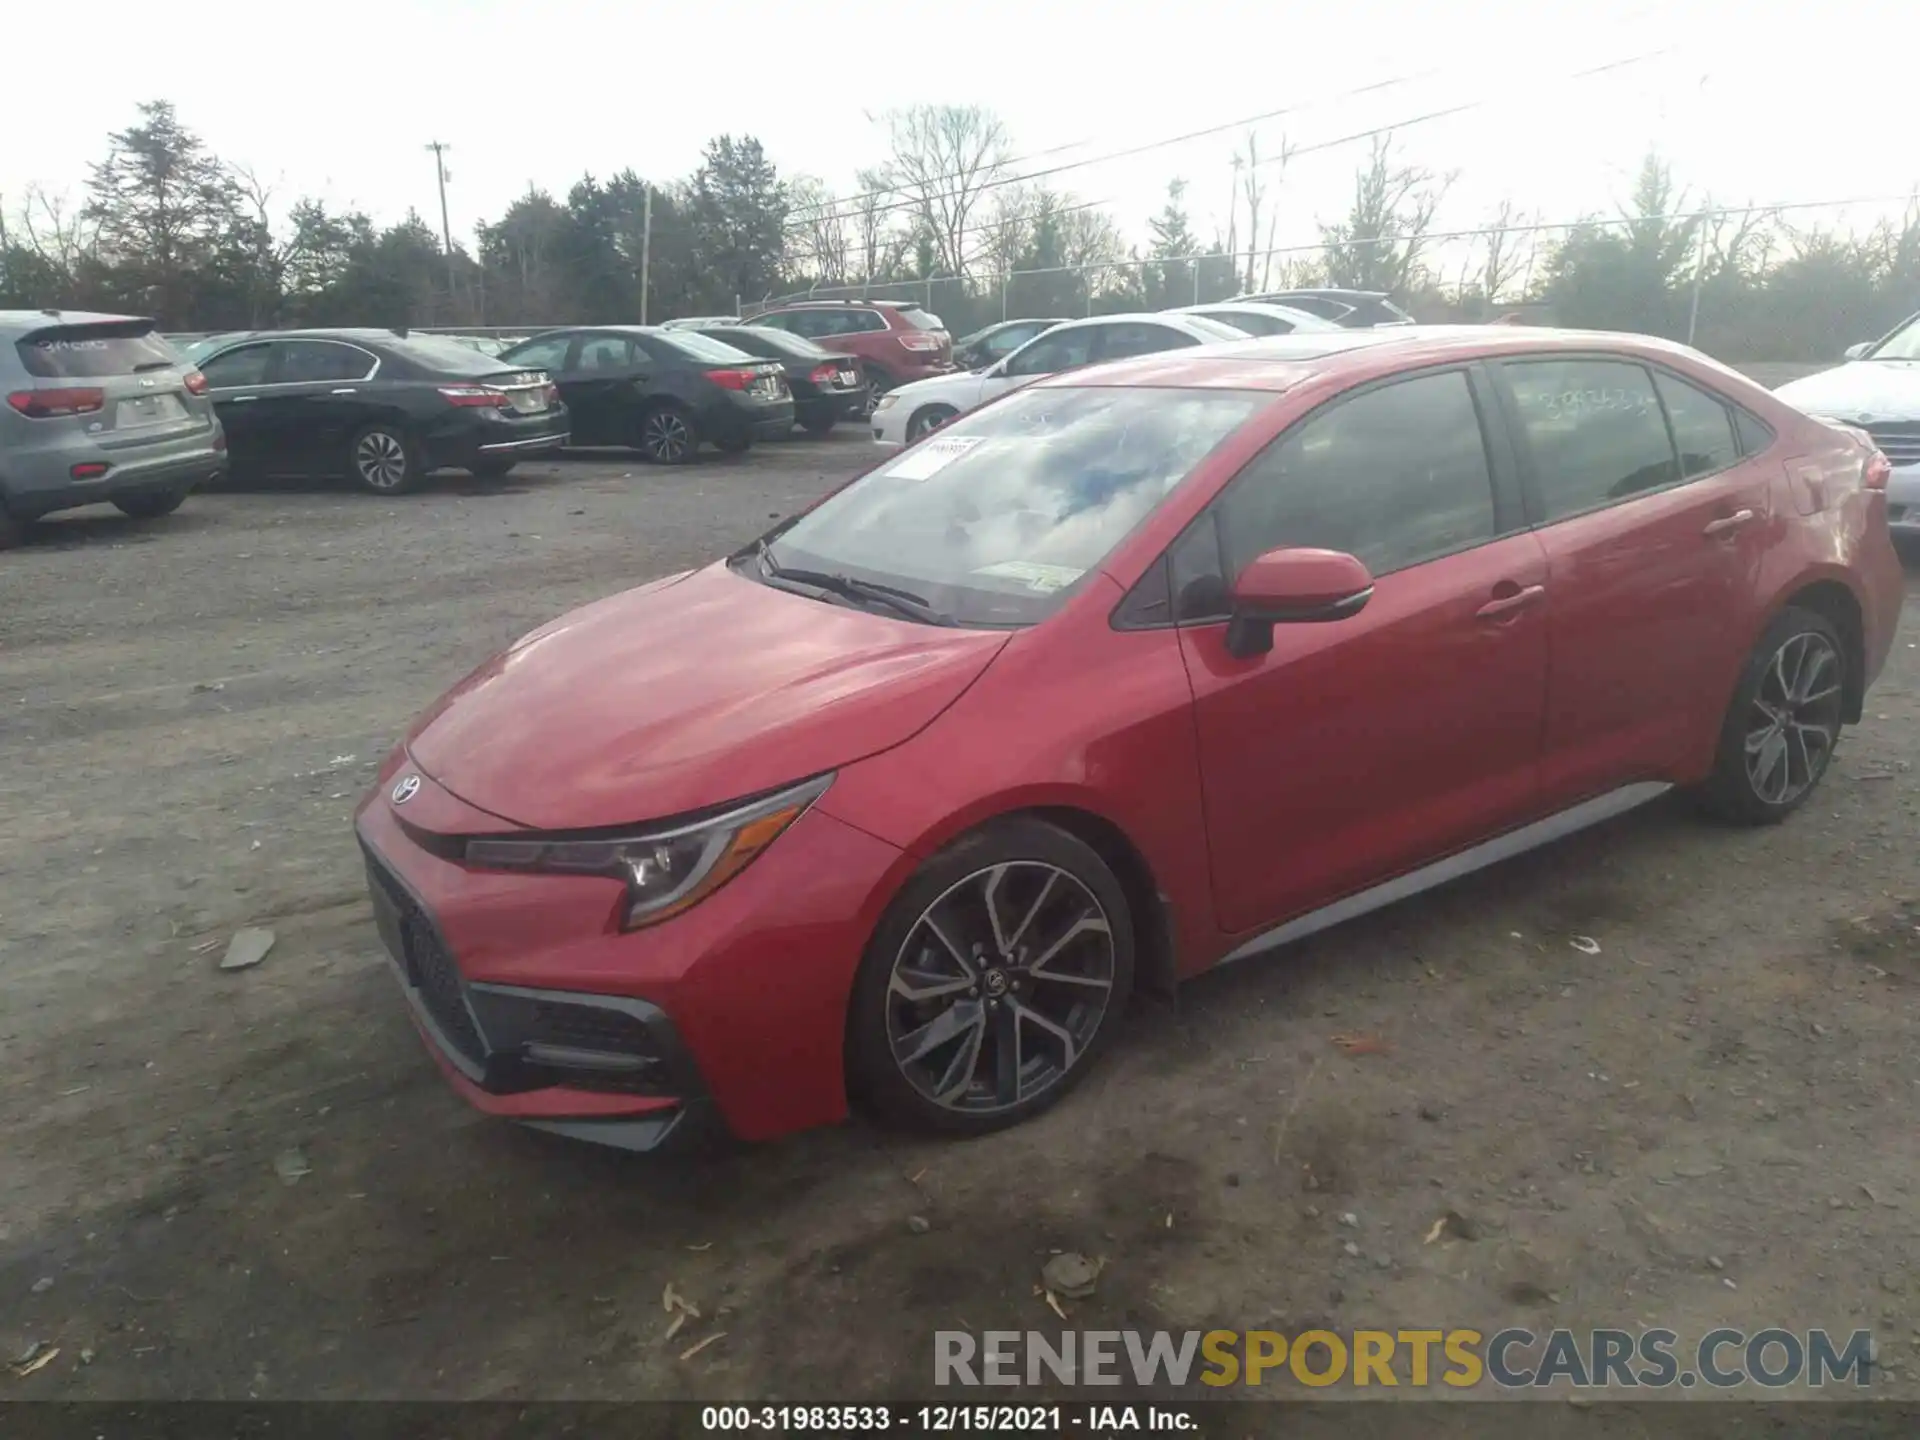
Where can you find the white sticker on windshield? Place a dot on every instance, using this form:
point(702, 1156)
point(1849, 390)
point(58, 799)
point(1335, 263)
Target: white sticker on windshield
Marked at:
point(1044, 578)
point(930, 457)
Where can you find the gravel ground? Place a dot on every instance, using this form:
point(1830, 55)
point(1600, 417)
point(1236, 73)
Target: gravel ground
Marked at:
point(1709, 1121)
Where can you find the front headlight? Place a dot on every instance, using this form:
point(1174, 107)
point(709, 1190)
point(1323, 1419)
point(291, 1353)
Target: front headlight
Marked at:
point(667, 870)
point(884, 402)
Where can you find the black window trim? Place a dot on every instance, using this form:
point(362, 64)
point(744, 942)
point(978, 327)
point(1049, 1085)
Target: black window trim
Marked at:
point(1154, 589)
point(567, 351)
point(1530, 486)
point(262, 343)
point(277, 353)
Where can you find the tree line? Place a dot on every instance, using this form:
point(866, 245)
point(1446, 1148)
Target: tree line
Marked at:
point(171, 230)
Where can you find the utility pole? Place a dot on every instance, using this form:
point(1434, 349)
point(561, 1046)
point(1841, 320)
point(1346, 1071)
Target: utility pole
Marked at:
point(646, 245)
point(439, 150)
point(1699, 275)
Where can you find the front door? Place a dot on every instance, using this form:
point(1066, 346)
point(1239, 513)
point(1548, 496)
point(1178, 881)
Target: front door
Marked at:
point(315, 401)
point(1362, 748)
point(1651, 522)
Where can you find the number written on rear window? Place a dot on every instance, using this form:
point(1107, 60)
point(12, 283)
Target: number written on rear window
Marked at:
point(1396, 476)
point(1595, 431)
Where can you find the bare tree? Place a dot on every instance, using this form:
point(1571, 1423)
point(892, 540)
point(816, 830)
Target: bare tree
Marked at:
point(1508, 251)
point(1009, 233)
point(822, 230)
point(1378, 246)
point(1255, 191)
point(64, 237)
point(945, 157)
point(876, 236)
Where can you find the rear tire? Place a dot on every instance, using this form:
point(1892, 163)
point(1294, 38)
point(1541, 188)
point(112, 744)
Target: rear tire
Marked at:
point(665, 435)
point(1781, 730)
point(734, 444)
point(383, 460)
point(877, 385)
point(150, 506)
point(937, 1042)
point(818, 427)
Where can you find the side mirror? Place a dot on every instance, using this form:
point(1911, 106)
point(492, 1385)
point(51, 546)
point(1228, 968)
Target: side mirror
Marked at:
point(1854, 352)
point(1294, 587)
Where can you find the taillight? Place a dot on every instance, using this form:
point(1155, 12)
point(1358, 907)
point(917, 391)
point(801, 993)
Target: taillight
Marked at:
point(482, 397)
point(1879, 471)
point(732, 379)
point(195, 382)
point(919, 340)
point(553, 395)
point(823, 374)
point(88, 470)
point(219, 440)
point(46, 404)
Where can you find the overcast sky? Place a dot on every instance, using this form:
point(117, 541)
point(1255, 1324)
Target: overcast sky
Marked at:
point(1752, 103)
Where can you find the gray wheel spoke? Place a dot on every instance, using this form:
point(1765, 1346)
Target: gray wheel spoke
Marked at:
point(1056, 977)
point(1033, 910)
point(949, 1025)
point(990, 897)
point(959, 1073)
point(1086, 925)
point(918, 985)
point(1006, 1055)
point(964, 960)
point(1027, 1015)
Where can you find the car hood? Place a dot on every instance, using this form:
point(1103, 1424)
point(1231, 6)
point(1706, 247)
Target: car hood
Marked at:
point(684, 694)
point(1861, 390)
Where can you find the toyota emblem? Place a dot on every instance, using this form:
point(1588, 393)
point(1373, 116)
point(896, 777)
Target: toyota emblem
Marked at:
point(406, 789)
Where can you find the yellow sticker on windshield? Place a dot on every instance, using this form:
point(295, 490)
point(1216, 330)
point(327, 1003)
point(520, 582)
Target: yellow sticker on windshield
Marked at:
point(1044, 578)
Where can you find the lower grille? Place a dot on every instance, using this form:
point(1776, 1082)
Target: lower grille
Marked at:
point(587, 1027)
point(1899, 441)
point(430, 970)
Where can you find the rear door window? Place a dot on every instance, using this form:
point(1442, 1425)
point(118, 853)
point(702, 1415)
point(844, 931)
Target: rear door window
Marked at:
point(547, 353)
point(921, 319)
point(87, 352)
point(606, 352)
point(1595, 431)
point(1395, 476)
point(1702, 427)
point(313, 361)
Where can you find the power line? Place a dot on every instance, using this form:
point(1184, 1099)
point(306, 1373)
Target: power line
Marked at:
point(1000, 182)
point(1292, 153)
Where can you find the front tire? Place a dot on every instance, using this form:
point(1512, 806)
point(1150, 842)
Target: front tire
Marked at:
point(665, 435)
point(992, 983)
point(150, 506)
point(382, 460)
point(928, 419)
point(1781, 729)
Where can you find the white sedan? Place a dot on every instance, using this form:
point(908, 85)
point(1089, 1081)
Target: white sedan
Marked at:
point(905, 414)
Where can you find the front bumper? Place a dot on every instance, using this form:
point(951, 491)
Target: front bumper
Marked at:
point(726, 1020)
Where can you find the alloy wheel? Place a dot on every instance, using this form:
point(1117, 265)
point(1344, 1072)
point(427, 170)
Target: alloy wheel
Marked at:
point(1000, 987)
point(381, 460)
point(666, 437)
point(1795, 719)
point(925, 423)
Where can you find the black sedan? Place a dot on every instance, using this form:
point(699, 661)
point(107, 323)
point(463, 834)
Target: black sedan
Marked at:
point(661, 392)
point(827, 387)
point(381, 407)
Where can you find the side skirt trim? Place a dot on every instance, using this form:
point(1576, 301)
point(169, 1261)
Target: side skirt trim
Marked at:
point(1465, 862)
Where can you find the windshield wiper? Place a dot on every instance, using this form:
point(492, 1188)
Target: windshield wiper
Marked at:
point(904, 602)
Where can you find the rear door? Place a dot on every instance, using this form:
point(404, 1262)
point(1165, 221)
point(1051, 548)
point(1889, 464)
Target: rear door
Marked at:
point(236, 379)
point(1652, 523)
point(599, 386)
point(1360, 749)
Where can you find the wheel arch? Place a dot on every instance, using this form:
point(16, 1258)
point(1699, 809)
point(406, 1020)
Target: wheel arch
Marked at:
point(1834, 600)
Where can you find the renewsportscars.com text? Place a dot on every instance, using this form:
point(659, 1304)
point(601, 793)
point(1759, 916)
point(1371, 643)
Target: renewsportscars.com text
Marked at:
point(1511, 1359)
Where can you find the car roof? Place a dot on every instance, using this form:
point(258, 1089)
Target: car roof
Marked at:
point(1258, 307)
point(1280, 362)
point(23, 321)
point(1178, 319)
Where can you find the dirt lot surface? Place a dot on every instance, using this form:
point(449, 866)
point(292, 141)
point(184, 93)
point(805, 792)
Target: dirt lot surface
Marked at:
point(1709, 1121)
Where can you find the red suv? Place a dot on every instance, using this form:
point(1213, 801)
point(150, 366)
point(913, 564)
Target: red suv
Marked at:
point(896, 341)
point(1141, 668)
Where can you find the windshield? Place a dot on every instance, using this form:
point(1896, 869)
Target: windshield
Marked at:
point(1220, 329)
point(997, 517)
point(701, 347)
point(1903, 344)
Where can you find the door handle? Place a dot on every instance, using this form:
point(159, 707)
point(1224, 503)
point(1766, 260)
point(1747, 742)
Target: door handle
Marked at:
point(236, 399)
point(1505, 605)
point(1727, 524)
point(348, 391)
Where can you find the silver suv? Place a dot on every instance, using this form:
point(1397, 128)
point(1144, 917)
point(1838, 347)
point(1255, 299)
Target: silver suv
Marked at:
point(98, 408)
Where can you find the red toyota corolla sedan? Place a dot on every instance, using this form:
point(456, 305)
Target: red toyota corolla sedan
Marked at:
point(1141, 668)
